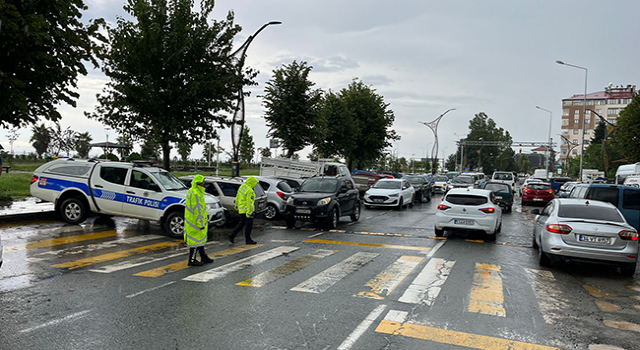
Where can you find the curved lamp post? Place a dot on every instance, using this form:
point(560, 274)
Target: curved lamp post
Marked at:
point(605, 157)
point(237, 124)
point(433, 125)
point(548, 145)
point(584, 112)
point(570, 147)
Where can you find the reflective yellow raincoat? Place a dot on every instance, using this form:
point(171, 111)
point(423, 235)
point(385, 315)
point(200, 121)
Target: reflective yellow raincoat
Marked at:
point(246, 198)
point(195, 215)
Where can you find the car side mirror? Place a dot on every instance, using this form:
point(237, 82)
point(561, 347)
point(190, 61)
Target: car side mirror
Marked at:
point(535, 212)
point(154, 187)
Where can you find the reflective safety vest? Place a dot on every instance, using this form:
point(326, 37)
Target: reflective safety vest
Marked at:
point(246, 197)
point(195, 217)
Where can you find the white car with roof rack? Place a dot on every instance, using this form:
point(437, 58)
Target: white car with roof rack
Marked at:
point(79, 186)
point(469, 209)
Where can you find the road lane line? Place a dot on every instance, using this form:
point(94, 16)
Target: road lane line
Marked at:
point(367, 244)
point(385, 282)
point(487, 296)
point(163, 270)
point(550, 298)
point(286, 269)
point(55, 322)
point(224, 270)
point(445, 336)
point(60, 241)
point(117, 255)
point(427, 285)
point(316, 235)
point(435, 249)
point(150, 289)
point(327, 278)
point(397, 316)
point(362, 327)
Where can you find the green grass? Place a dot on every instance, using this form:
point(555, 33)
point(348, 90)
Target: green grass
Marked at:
point(23, 166)
point(14, 186)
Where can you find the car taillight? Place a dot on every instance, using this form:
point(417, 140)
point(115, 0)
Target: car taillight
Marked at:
point(34, 178)
point(550, 191)
point(628, 235)
point(561, 229)
point(281, 195)
point(488, 210)
point(443, 207)
point(527, 190)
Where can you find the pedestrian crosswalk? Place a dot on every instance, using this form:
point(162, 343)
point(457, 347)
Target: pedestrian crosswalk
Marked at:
point(406, 274)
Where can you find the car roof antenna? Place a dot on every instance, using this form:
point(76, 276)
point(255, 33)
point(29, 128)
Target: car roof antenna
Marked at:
point(586, 203)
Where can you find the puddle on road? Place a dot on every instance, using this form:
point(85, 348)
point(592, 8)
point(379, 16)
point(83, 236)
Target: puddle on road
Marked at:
point(622, 325)
point(597, 293)
point(14, 283)
point(607, 307)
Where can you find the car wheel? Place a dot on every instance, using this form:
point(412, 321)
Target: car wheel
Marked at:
point(174, 224)
point(429, 198)
point(291, 222)
point(356, 212)
point(224, 221)
point(510, 209)
point(543, 258)
point(332, 220)
point(400, 203)
point(73, 210)
point(499, 229)
point(271, 212)
point(628, 270)
point(439, 233)
point(412, 200)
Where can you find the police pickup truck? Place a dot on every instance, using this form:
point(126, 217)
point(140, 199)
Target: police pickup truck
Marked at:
point(78, 187)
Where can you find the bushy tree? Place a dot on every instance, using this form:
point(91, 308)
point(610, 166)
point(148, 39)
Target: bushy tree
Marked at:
point(451, 162)
point(483, 128)
point(150, 149)
point(62, 141)
point(40, 139)
point(247, 146)
point(81, 143)
point(171, 71)
point(266, 152)
point(628, 129)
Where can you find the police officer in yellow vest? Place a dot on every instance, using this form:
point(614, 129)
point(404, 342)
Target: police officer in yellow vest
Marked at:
point(245, 204)
point(196, 222)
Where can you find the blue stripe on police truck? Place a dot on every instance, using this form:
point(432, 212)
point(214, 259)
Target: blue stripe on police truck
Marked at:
point(60, 185)
point(152, 203)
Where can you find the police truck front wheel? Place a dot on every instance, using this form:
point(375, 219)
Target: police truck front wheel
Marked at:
point(174, 224)
point(73, 210)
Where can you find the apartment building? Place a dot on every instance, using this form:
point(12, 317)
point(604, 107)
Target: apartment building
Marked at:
point(607, 103)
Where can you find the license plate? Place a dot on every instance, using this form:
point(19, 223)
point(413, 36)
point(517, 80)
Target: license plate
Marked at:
point(498, 197)
point(303, 211)
point(537, 199)
point(378, 200)
point(463, 222)
point(594, 239)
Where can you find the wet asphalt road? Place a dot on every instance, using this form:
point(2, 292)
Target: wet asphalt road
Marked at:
point(382, 283)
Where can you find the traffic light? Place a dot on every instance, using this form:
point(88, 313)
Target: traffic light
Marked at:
point(520, 150)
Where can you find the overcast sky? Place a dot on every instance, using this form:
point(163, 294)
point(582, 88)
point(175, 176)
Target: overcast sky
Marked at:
point(423, 57)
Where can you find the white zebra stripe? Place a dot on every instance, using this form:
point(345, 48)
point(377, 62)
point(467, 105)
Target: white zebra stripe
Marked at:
point(426, 286)
point(327, 278)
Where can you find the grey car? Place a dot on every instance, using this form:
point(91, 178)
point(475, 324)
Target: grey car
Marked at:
point(278, 191)
point(587, 231)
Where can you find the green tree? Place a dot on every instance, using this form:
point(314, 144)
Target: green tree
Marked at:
point(40, 139)
point(266, 152)
point(44, 46)
point(335, 127)
point(184, 150)
point(291, 106)
point(127, 141)
point(150, 149)
point(172, 73)
point(62, 141)
point(81, 143)
point(483, 128)
point(451, 162)
point(247, 146)
point(628, 129)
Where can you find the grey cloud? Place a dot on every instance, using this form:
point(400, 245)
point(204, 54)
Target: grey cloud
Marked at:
point(331, 64)
point(376, 80)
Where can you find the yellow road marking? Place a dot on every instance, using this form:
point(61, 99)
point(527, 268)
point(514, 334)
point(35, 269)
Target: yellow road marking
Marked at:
point(61, 240)
point(117, 255)
point(445, 336)
point(607, 307)
point(636, 297)
point(160, 271)
point(338, 231)
point(486, 293)
point(436, 237)
point(475, 240)
point(633, 288)
point(286, 269)
point(622, 325)
point(367, 244)
point(386, 281)
point(595, 292)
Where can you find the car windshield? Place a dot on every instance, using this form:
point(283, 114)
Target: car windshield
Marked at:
point(169, 181)
point(439, 178)
point(415, 180)
point(388, 185)
point(319, 185)
point(463, 180)
point(497, 188)
point(576, 211)
point(538, 186)
point(502, 176)
point(466, 199)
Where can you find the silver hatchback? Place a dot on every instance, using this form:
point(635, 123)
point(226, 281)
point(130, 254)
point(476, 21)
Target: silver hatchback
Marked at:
point(278, 191)
point(585, 230)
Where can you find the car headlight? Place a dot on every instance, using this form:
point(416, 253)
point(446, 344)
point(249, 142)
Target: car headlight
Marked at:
point(324, 201)
point(394, 195)
point(290, 201)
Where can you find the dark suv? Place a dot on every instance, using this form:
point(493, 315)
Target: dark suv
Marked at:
point(323, 199)
point(422, 185)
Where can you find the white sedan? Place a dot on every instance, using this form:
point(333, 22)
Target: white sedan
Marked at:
point(390, 193)
point(469, 209)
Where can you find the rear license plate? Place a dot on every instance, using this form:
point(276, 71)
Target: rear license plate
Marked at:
point(463, 222)
point(537, 199)
point(594, 239)
point(498, 197)
point(378, 200)
point(303, 211)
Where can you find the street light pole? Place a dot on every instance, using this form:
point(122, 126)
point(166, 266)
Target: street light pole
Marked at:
point(549, 144)
point(237, 126)
point(106, 132)
point(584, 112)
point(434, 127)
point(459, 147)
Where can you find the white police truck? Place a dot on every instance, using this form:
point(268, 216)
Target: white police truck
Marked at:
point(79, 186)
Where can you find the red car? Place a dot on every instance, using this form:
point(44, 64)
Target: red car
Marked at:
point(537, 192)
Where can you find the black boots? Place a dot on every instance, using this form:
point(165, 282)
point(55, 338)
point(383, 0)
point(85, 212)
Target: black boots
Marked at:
point(192, 258)
point(203, 256)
